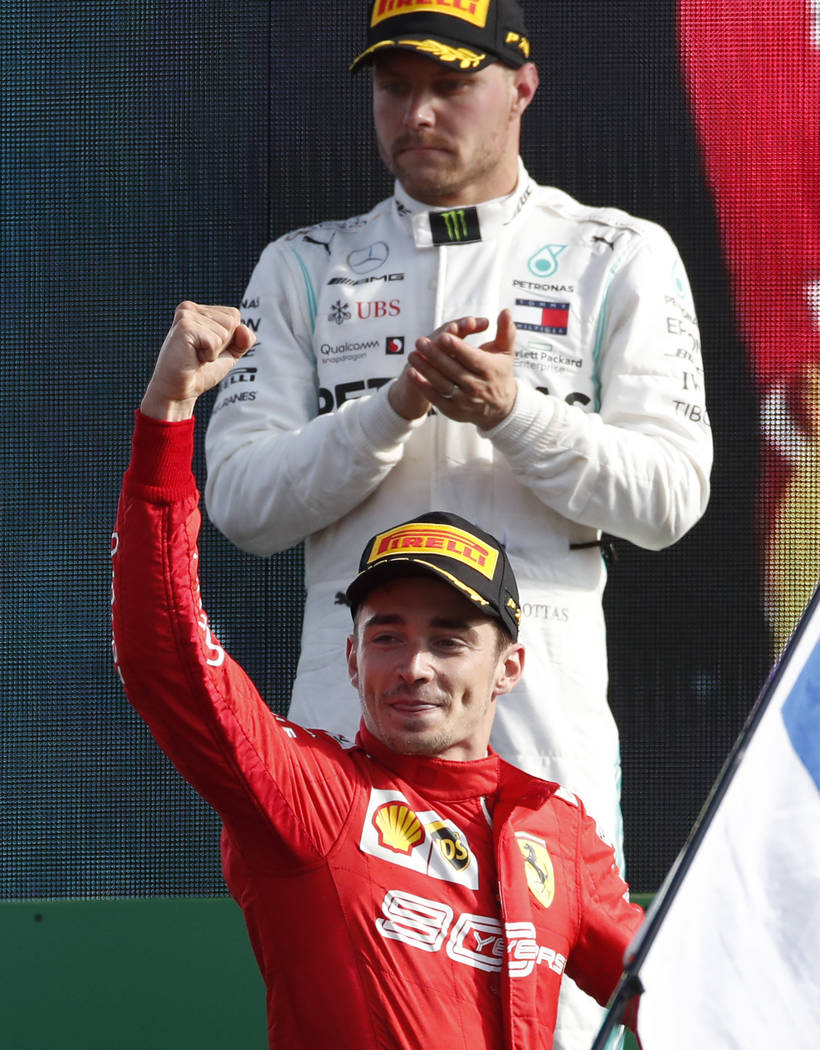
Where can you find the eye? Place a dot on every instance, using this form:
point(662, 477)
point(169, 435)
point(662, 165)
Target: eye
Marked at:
point(450, 644)
point(384, 638)
point(394, 88)
point(454, 86)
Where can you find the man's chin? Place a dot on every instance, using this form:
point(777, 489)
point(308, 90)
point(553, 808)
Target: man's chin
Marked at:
point(422, 742)
point(428, 183)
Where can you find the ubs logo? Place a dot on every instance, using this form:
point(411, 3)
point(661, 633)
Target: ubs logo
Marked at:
point(376, 308)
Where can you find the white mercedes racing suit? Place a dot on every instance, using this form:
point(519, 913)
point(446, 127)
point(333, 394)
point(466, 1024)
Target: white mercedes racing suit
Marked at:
point(609, 432)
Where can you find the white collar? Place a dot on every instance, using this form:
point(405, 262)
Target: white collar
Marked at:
point(462, 225)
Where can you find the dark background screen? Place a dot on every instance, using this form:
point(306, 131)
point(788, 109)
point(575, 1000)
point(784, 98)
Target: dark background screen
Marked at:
point(153, 147)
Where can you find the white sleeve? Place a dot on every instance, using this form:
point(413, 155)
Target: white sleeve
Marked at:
point(277, 470)
point(638, 467)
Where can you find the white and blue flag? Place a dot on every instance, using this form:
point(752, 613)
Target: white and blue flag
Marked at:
point(729, 954)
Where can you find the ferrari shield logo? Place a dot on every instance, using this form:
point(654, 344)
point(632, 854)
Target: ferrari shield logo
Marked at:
point(538, 867)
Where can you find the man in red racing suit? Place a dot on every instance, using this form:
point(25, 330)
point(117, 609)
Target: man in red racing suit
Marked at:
point(400, 900)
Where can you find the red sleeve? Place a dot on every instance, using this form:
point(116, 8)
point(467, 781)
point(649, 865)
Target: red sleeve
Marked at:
point(608, 918)
point(270, 781)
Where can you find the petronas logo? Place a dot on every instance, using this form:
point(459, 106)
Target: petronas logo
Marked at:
point(545, 261)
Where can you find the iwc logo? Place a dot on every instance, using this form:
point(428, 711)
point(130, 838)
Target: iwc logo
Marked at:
point(538, 867)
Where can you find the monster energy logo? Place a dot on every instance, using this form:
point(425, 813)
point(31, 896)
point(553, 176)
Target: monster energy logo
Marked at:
point(458, 226)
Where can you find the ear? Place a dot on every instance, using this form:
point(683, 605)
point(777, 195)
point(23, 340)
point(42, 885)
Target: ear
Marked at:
point(352, 657)
point(510, 668)
point(526, 84)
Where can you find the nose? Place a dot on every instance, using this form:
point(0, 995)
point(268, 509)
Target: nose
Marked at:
point(419, 111)
point(416, 665)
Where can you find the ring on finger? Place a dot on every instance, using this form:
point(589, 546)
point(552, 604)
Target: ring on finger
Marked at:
point(451, 393)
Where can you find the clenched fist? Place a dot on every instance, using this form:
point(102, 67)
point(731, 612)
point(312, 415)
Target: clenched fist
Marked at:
point(202, 346)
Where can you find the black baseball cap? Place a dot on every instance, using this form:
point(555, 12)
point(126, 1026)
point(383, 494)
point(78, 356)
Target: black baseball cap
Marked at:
point(450, 548)
point(463, 34)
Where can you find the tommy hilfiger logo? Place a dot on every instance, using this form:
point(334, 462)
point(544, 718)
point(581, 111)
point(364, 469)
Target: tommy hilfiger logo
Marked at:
point(459, 226)
point(540, 316)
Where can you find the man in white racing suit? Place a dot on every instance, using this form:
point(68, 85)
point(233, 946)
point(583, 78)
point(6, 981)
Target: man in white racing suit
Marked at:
point(580, 412)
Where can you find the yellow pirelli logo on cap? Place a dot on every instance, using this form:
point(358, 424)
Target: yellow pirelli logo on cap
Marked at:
point(436, 539)
point(472, 11)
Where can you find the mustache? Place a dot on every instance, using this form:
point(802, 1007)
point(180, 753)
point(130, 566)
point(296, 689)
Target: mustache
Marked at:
point(414, 139)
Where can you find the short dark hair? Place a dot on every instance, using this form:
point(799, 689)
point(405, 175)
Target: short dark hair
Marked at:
point(503, 638)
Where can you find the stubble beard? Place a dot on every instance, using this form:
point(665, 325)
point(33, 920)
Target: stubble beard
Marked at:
point(449, 182)
point(407, 738)
point(436, 184)
point(426, 744)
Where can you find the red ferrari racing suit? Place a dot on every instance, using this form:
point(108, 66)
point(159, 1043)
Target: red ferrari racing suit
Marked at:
point(392, 901)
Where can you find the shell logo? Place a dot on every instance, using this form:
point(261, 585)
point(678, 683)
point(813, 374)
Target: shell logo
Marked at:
point(398, 826)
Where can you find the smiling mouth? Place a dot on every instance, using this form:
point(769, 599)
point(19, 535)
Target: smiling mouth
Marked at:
point(410, 706)
point(414, 705)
